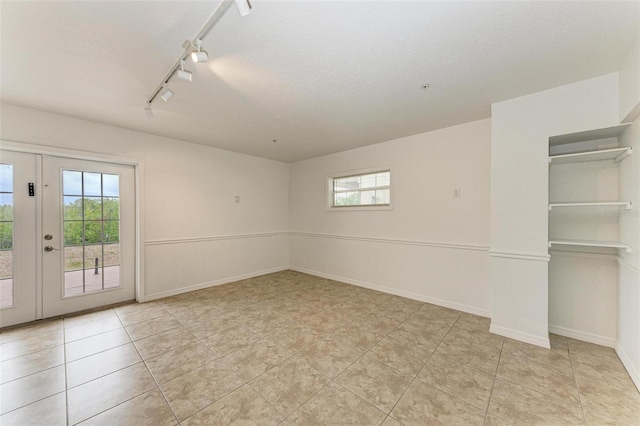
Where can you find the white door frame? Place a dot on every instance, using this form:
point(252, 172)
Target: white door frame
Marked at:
point(138, 165)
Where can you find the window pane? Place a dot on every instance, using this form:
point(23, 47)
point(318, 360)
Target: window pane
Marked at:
point(73, 258)
point(6, 292)
point(93, 232)
point(383, 196)
point(71, 183)
point(111, 231)
point(111, 208)
point(92, 184)
point(111, 185)
point(111, 254)
point(93, 255)
point(6, 207)
point(368, 197)
point(6, 264)
point(6, 178)
point(343, 184)
point(72, 208)
point(92, 208)
point(6, 235)
point(383, 179)
point(368, 181)
point(73, 233)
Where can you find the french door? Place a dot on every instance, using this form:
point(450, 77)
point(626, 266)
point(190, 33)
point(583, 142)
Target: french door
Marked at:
point(75, 247)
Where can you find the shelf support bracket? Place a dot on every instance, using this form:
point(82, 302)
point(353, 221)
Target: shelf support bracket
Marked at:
point(624, 155)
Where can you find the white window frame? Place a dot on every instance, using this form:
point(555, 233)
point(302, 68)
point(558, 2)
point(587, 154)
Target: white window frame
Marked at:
point(329, 190)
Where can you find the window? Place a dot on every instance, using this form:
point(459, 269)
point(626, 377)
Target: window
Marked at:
point(6, 235)
point(367, 189)
point(91, 231)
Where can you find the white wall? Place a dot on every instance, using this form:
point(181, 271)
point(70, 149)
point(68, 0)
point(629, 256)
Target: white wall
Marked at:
point(195, 234)
point(628, 345)
point(431, 246)
point(520, 194)
point(630, 85)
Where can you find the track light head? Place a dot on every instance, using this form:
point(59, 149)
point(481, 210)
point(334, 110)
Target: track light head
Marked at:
point(243, 6)
point(148, 111)
point(166, 94)
point(199, 55)
point(183, 74)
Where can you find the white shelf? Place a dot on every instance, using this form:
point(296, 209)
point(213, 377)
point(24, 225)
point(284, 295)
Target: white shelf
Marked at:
point(625, 204)
point(615, 154)
point(589, 135)
point(589, 243)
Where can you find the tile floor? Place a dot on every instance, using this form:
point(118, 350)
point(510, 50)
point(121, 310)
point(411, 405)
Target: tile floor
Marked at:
point(289, 348)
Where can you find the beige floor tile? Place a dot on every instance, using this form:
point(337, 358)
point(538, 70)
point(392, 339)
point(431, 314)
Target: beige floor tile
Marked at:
point(609, 399)
point(36, 328)
point(99, 395)
point(406, 357)
point(288, 385)
point(422, 404)
point(525, 406)
point(51, 411)
point(243, 407)
point(334, 405)
point(152, 327)
point(24, 391)
point(27, 345)
point(471, 354)
point(428, 310)
point(82, 319)
point(176, 362)
point(476, 333)
point(358, 336)
point(94, 344)
point(330, 357)
point(148, 409)
point(34, 362)
point(101, 364)
point(390, 421)
point(194, 391)
point(136, 316)
point(538, 377)
point(420, 331)
point(556, 358)
point(470, 385)
point(231, 340)
point(136, 307)
point(163, 342)
point(91, 328)
point(602, 364)
point(375, 382)
point(253, 360)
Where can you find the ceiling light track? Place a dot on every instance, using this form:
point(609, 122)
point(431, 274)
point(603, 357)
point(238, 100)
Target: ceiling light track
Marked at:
point(194, 50)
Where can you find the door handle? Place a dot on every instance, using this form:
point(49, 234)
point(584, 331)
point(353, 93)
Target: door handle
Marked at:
point(49, 249)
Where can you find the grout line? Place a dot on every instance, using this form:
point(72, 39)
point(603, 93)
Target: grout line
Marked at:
point(575, 380)
point(495, 377)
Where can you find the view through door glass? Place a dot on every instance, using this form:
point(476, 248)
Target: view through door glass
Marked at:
point(6, 235)
point(91, 232)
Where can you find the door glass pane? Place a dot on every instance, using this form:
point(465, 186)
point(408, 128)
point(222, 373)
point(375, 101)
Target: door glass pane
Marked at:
point(6, 235)
point(92, 184)
point(72, 182)
point(91, 232)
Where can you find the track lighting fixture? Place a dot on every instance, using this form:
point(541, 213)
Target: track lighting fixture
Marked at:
point(194, 49)
point(184, 74)
point(166, 94)
point(243, 6)
point(199, 55)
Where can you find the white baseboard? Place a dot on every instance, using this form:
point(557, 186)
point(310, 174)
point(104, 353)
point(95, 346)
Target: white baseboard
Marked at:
point(631, 369)
point(445, 303)
point(201, 286)
point(521, 336)
point(583, 335)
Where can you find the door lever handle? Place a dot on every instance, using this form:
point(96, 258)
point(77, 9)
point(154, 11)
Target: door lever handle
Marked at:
point(49, 249)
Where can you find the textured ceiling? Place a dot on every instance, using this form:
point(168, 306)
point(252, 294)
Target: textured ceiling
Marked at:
point(317, 76)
